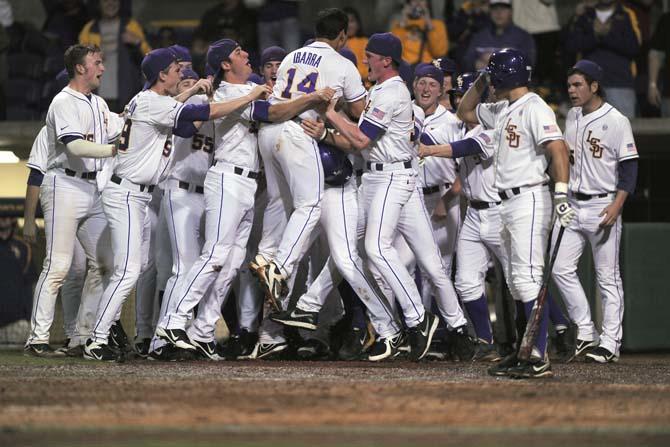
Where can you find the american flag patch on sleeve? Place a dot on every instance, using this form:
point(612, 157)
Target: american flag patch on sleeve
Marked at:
point(630, 147)
point(379, 114)
point(485, 138)
point(550, 128)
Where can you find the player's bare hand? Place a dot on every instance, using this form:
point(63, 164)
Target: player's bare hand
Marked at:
point(654, 95)
point(313, 128)
point(424, 151)
point(611, 213)
point(325, 94)
point(203, 86)
point(30, 231)
point(260, 91)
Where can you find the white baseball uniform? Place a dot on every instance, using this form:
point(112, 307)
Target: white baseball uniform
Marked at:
point(292, 163)
point(598, 142)
point(70, 201)
point(183, 207)
point(393, 200)
point(71, 290)
point(520, 164)
point(230, 186)
point(142, 161)
point(436, 176)
point(481, 228)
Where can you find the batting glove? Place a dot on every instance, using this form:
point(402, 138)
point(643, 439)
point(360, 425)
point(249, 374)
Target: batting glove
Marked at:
point(564, 212)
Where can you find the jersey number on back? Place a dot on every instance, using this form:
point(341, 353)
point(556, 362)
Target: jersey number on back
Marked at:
point(307, 85)
point(125, 134)
point(202, 142)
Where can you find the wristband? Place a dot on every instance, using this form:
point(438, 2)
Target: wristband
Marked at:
point(561, 188)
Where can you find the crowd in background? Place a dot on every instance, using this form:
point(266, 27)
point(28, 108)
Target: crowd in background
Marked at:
point(618, 34)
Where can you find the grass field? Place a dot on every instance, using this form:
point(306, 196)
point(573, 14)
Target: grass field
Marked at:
point(72, 402)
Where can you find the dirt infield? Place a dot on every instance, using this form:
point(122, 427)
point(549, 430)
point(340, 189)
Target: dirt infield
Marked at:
point(75, 402)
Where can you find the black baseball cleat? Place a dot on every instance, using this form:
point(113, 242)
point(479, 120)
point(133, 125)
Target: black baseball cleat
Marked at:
point(463, 345)
point(531, 369)
point(385, 348)
point(99, 351)
point(355, 343)
point(313, 349)
point(601, 355)
point(297, 318)
point(176, 337)
point(75, 351)
point(240, 345)
point(274, 285)
point(118, 339)
point(207, 350)
point(168, 353)
point(502, 368)
point(142, 347)
point(582, 347)
point(485, 352)
point(63, 349)
point(267, 350)
point(561, 345)
point(41, 350)
point(421, 335)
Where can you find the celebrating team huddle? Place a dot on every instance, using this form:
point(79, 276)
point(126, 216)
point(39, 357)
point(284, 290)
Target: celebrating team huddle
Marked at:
point(202, 186)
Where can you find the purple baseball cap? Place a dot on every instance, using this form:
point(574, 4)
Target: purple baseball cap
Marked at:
point(385, 44)
point(346, 52)
point(187, 73)
point(428, 70)
point(590, 69)
point(154, 62)
point(448, 66)
point(62, 79)
point(219, 52)
point(182, 53)
point(272, 54)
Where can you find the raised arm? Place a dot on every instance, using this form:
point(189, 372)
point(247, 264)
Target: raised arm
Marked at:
point(286, 110)
point(467, 108)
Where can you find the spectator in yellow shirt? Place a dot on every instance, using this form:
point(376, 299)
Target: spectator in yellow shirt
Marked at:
point(124, 45)
point(423, 38)
point(357, 40)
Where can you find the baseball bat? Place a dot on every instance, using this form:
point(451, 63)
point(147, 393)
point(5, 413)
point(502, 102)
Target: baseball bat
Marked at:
point(533, 325)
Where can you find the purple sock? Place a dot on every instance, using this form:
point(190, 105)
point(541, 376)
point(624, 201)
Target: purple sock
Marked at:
point(541, 341)
point(556, 314)
point(478, 310)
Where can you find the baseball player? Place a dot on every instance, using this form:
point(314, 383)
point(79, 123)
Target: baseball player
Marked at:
point(145, 149)
point(392, 197)
point(524, 138)
point(449, 69)
point(230, 187)
point(438, 175)
point(603, 172)
point(271, 59)
point(298, 170)
point(182, 210)
point(79, 128)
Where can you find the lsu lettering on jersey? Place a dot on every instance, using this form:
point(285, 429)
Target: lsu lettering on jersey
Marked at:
point(72, 113)
point(236, 134)
point(146, 141)
point(314, 67)
point(192, 157)
point(389, 109)
point(440, 128)
point(476, 172)
point(521, 129)
point(597, 141)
